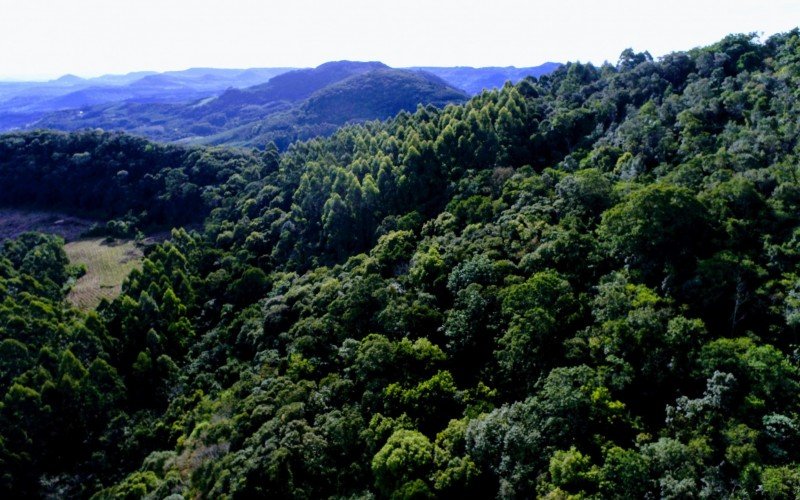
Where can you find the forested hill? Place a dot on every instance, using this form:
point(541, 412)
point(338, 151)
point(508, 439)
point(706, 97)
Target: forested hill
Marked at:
point(288, 107)
point(119, 177)
point(584, 285)
point(376, 94)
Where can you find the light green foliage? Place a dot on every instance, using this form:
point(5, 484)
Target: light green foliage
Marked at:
point(455, 470)
point(540, 310)
point(568, 469)
point(622, 474)
point(780, 482)
point(406, 456)
point(657, 227)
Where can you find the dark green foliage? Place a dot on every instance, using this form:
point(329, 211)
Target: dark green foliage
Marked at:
point(57, 385)
point(116, 176)
point(583, 285)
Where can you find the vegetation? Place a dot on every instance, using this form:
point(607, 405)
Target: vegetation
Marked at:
point(475, 80)
point(135, 183)
point(583, 286)
point(377, 94)
point(107, 262)
point(151, 99)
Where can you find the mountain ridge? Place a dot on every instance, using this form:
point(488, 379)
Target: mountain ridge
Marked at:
point(23, 104)
point(298, 104)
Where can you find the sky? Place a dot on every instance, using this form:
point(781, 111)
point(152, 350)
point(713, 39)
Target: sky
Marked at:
point(41, 39)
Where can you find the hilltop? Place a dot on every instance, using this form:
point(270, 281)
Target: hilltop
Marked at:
point(23, 103)
point(242, 107)
point(373, 95)
point(295, 105)
point(475, 80)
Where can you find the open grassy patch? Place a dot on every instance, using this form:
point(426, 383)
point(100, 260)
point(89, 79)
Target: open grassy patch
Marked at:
point(107, 263)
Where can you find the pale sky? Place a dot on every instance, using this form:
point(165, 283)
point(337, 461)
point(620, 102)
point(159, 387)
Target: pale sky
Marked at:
point(48, 38)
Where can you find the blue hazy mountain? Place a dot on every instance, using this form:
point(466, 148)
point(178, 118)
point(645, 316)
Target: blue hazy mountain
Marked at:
point(376, 94)
point(475, 80)
point(22, 103)
point(294, 105)
point(243, 106)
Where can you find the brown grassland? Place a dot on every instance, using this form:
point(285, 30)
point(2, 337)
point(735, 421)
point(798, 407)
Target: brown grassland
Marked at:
point(108, 263)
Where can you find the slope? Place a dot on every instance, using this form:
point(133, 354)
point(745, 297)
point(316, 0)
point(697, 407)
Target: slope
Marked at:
point(375, 95)
point(22, 103)
point(585, 285)
point(288, 107)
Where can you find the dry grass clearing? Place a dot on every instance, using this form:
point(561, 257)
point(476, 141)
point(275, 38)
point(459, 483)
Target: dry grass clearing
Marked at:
point(107, 265)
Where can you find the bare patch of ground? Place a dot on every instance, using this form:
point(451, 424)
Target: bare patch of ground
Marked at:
point(14, 222)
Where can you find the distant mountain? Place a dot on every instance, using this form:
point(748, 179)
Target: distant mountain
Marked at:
point(288, 87)
point(243, 107)
point(374, 95)
point(475, 80)
point(300, 84)
point(160, 80)
point(121, 79)
point(364, 97)
point(294, 105)
point(22, 103)
point(69, 80)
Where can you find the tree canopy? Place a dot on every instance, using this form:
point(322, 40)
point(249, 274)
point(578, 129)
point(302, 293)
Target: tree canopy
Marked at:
point(583, 285)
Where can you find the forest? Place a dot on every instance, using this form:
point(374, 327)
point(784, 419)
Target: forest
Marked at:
point(582, 285)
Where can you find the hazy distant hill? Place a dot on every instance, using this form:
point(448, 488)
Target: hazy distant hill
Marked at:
point(363, 97)
point(297, 104)
point(474, 80)
point(243, 107)
point(377, 94)
point(22, 103)
point(300, 84)
point(246, 104)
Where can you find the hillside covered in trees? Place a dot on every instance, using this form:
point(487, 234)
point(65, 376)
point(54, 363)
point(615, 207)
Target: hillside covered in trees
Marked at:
point(295, 105)
point(585, 285)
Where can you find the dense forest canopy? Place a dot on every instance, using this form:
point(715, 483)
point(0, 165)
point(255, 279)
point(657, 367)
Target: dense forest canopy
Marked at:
point(584, 285)
point(115, 176)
